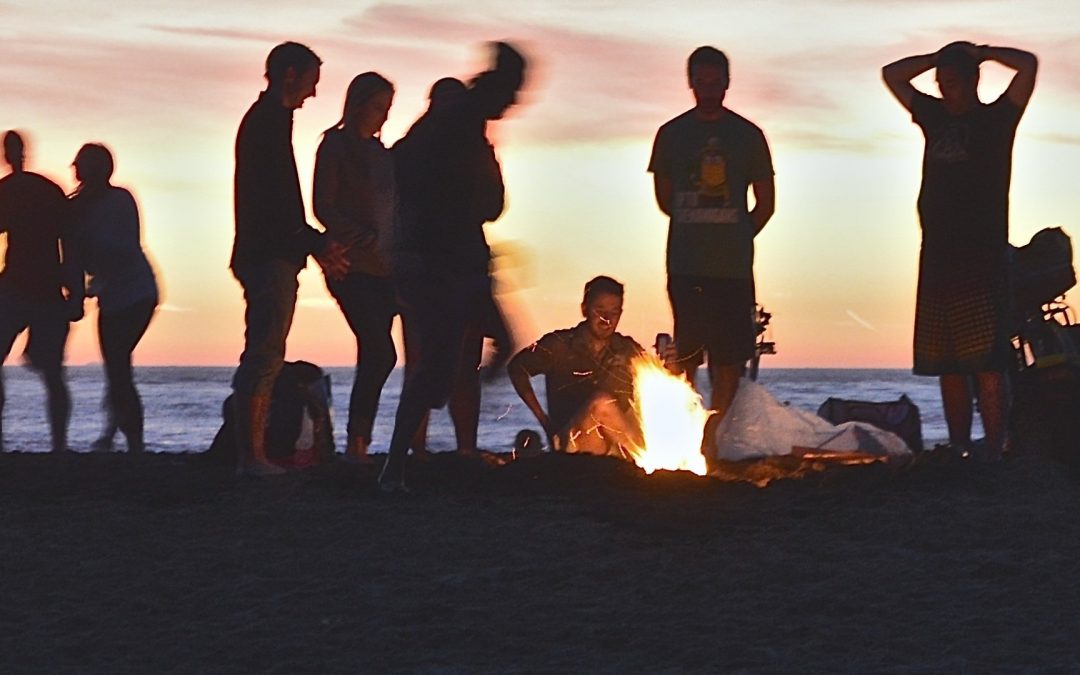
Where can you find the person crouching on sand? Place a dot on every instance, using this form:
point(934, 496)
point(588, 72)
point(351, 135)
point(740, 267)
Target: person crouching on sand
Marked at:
point(587, 376)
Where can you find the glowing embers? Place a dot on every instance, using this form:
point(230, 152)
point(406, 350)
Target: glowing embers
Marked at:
point(672, 419)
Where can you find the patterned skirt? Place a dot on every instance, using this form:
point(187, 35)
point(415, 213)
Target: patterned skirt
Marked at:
point(960, 315)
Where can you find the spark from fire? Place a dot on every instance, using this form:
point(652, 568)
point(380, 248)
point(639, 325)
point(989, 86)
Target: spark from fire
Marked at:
point(672, 418)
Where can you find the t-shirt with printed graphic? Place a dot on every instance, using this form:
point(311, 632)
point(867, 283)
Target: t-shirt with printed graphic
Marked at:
point(967, 166)
point(710, 165)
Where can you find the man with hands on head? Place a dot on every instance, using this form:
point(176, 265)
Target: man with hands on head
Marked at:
point(961, 331)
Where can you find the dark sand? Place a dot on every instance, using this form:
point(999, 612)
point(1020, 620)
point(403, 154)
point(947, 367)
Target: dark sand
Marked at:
point(168, 564)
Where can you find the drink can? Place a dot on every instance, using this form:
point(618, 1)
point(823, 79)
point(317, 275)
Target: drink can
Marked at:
point(663, 341)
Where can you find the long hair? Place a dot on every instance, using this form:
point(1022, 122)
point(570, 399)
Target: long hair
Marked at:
point(361, 89)
point(95, 165)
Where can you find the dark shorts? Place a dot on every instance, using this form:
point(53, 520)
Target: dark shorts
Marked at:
point(960, 316)
point(47, 324)
point(713, 317)
point(270, 296)
point(440, 313)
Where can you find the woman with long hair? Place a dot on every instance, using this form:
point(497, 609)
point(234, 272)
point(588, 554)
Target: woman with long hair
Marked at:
point(106, 232)
point(356, 201)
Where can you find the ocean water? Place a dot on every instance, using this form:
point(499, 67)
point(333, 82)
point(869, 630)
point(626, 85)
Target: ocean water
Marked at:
point(183, 405)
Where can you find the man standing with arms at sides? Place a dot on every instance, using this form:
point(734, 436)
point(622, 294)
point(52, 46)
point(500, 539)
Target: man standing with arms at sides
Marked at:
point(960, 329)
point(273, 240)
point(703, 162)
point(32, 285)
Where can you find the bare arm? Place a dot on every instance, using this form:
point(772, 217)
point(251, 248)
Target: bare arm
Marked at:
point(521, 379)
point(662, 188)
point(764, 203)
point(899, 74)
point(1024, 63)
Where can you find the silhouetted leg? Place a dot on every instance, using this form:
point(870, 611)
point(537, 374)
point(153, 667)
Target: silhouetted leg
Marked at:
point(465, 399)
point(957, 401)
point(993, 408)
point(412, 407)
point(10, 327)
point(725, 384)
point(59, 402)
point(119, 333)
point(376, 358)
point(270, 296)
point(419, 441)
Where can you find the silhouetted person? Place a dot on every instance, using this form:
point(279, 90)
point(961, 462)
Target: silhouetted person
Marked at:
point(960, 317)
point(450, 184)
point(355, 199)
point(37, 292)
point(273, 241)
point(464, 399)
point(703, 162)
point(106, 233)
point(587, 375)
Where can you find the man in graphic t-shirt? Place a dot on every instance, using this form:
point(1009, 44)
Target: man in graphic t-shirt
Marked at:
point(960, 330)
point(703, 163)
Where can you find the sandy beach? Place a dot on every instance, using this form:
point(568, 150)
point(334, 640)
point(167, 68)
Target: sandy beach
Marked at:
point(169, 564)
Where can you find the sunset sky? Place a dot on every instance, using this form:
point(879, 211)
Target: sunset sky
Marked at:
point(164, 85)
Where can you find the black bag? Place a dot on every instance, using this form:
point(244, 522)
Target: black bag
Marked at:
point(299, 431)
point(901, 417)
point(1042, 270)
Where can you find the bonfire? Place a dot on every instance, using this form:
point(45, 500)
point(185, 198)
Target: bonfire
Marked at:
point(672, 418)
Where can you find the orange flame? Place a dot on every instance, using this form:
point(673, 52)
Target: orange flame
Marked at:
point(672, 419)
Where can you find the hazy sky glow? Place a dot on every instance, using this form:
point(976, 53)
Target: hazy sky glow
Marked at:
point(164, 84)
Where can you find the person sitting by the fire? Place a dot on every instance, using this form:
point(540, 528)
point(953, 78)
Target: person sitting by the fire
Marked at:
point(587, 375)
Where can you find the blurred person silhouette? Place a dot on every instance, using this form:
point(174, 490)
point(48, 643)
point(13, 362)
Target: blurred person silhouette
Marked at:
point(961, 329)
point(40, 291)
point(105, 231)
point(355, 199)
point(464, 402)
point(450, 184)
point(703, 163)
point(272, 242)
point(587, 376)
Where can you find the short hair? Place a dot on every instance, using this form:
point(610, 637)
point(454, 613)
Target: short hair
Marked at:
point(600, 286)
point(955, 56)
point(446, 90)
point(13, 145)
point(290, 55)
point(707, 56)
point(95, 162)
point(13, 142)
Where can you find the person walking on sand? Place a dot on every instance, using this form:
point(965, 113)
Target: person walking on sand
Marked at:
point(450, 185)
point(272, 242)
point(703, 162)
point(587, 377)
point(961, 310)
point(355, 199)
point(106, 233)
point(39, 292)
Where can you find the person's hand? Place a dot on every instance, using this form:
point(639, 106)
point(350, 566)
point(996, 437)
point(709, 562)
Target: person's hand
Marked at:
point(334, 260)
point(670, 357)
point(550, 433)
